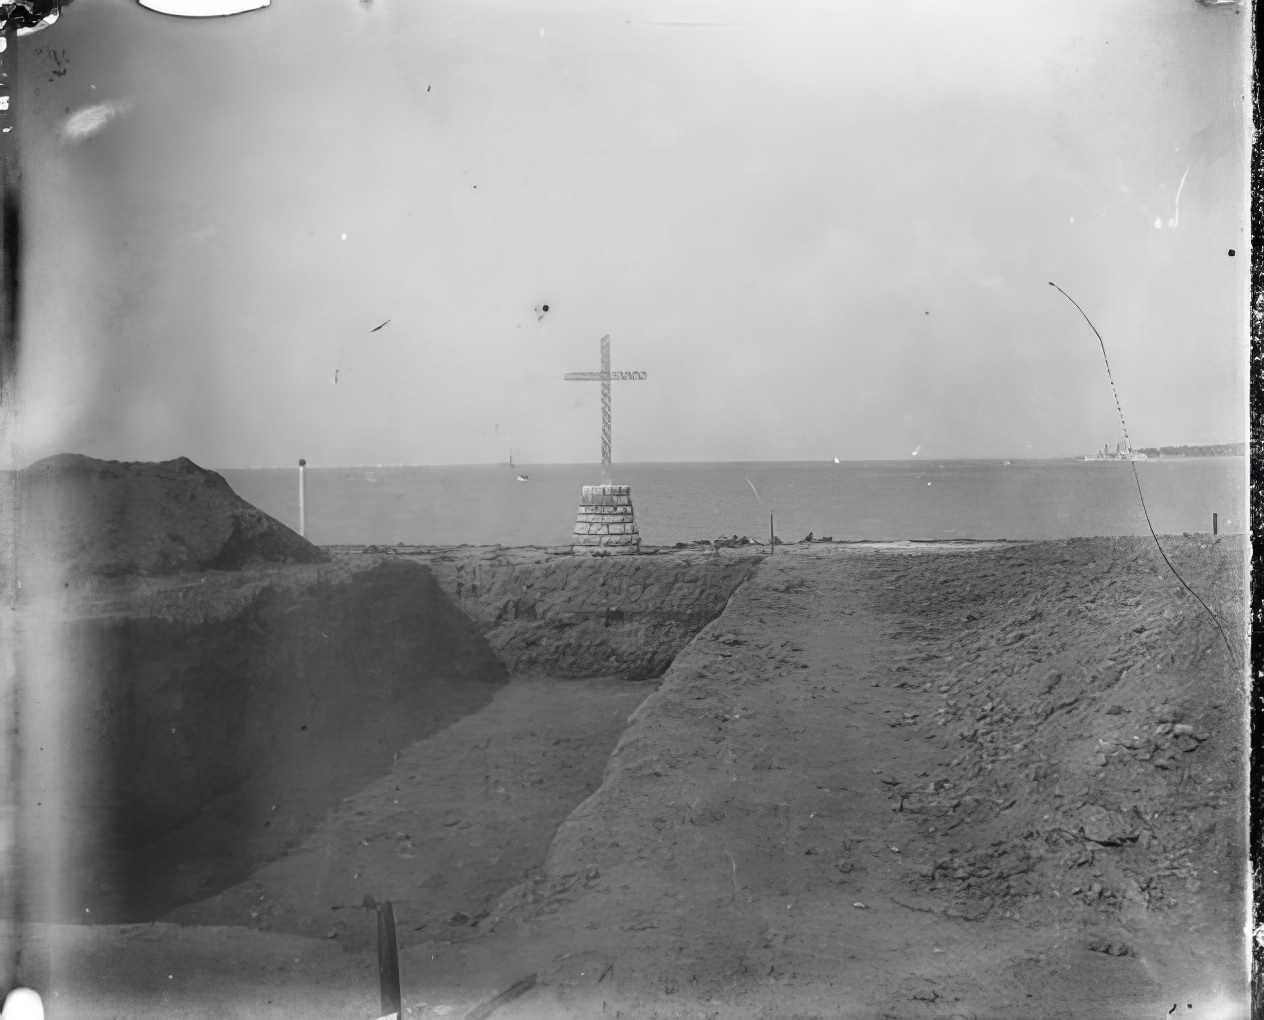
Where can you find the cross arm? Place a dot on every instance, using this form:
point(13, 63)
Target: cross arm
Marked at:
point(620, 376)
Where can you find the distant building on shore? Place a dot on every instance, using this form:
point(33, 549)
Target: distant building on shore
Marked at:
point(1123, 451)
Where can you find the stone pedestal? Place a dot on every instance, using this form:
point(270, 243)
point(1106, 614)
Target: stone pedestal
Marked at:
point(605, 525)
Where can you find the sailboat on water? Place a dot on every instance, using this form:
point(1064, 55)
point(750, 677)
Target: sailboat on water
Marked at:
point(518, 476)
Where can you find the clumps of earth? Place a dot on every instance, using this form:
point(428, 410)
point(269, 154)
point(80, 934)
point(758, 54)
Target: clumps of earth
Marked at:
point(1081, 715)
point(720, 542)
point(112, 518)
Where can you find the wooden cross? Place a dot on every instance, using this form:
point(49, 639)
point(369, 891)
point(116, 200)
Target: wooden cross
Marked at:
point(605, 377)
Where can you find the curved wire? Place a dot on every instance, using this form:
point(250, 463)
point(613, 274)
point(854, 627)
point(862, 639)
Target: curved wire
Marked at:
point(1137, 478)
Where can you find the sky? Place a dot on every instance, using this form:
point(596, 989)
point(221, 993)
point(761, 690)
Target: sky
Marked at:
point(822, 229)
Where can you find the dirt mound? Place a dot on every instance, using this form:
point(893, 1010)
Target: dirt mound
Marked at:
point(1096, 722)
point(110, 518)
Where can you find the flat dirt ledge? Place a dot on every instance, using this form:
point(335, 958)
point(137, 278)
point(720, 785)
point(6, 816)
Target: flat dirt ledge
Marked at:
point(997, 781)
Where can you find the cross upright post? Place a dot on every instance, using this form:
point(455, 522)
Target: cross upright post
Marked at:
point(606, 429)
point(605, 524)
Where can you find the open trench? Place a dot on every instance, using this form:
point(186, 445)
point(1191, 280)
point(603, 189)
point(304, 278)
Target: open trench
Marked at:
point(461, 816)
point(279, 751)
point(467, 812)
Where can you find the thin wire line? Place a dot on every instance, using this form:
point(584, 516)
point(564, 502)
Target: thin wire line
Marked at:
point(1137, 478)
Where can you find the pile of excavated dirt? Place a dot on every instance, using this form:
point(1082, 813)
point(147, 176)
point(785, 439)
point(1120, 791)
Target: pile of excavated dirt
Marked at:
point(112, 518)
point(1098, 729)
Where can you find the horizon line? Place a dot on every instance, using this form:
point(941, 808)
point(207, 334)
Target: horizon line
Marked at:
point(1076, 458)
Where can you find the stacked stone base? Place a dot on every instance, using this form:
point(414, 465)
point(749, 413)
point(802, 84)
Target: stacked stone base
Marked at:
point(605, 525)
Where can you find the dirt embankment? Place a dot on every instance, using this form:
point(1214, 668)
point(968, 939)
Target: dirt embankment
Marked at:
point(575, 616)
point(207, 719)
point(1096, 718)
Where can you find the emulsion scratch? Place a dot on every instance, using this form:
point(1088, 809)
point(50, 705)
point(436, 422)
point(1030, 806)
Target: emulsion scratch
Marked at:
point(1176, 202)
point(1145, 209)
point(90, 120)
point(691, 24)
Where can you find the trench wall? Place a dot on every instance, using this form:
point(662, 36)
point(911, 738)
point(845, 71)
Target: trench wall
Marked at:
point(573, 616)
point(220, 718)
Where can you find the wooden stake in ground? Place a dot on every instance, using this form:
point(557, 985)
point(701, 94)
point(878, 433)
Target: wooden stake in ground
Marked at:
point(302, 497)
point(388, 961)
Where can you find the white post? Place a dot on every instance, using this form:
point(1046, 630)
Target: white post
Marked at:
point(302, 497)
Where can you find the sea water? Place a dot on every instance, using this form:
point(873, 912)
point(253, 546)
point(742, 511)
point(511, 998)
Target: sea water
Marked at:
point(855, 500)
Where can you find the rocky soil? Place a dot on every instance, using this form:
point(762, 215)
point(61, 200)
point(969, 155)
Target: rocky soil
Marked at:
point(1099, 736)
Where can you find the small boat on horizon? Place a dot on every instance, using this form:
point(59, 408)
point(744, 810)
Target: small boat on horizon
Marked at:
point(836, 460)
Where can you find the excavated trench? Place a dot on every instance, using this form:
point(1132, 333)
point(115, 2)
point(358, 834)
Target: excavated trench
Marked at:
point(228, 739)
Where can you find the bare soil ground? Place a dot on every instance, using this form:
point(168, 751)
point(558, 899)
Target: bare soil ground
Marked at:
point(983, 781)
point(456, 821)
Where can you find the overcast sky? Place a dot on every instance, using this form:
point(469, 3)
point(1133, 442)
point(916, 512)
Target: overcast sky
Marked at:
point(823, 229)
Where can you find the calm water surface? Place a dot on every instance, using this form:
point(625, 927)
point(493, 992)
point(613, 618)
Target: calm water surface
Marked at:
point(682, 502)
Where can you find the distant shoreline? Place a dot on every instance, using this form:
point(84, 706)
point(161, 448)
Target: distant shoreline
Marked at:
point(1214, 450)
